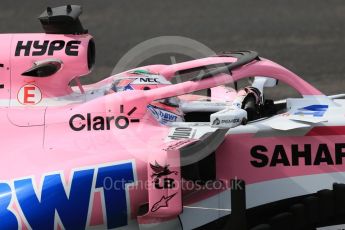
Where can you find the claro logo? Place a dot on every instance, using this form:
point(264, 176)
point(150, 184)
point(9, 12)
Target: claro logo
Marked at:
point(40, 48)
point(77, 121)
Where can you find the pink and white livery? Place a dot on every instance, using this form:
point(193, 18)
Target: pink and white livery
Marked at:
point(135, 151)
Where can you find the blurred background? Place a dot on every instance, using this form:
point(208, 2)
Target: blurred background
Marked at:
point(307, 37)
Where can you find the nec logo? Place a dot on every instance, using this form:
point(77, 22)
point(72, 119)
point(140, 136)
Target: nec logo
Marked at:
point(40, 48)
point(149, 80)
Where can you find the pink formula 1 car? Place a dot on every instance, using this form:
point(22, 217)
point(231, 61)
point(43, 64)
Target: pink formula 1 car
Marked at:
point(135, 151)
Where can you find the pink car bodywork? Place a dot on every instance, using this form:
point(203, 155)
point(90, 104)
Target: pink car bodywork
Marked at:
point(64, 150)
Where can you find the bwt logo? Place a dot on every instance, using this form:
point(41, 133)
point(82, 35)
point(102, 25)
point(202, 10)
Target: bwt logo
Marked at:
point(40, 48)
point(39, 205)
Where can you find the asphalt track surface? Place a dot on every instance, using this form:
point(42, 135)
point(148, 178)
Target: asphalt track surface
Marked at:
point(307, 37)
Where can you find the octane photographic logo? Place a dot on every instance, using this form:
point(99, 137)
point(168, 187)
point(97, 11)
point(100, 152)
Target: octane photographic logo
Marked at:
point(164, 45)
point(170, 48)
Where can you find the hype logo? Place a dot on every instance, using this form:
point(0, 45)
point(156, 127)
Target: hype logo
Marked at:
point(70, 203)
